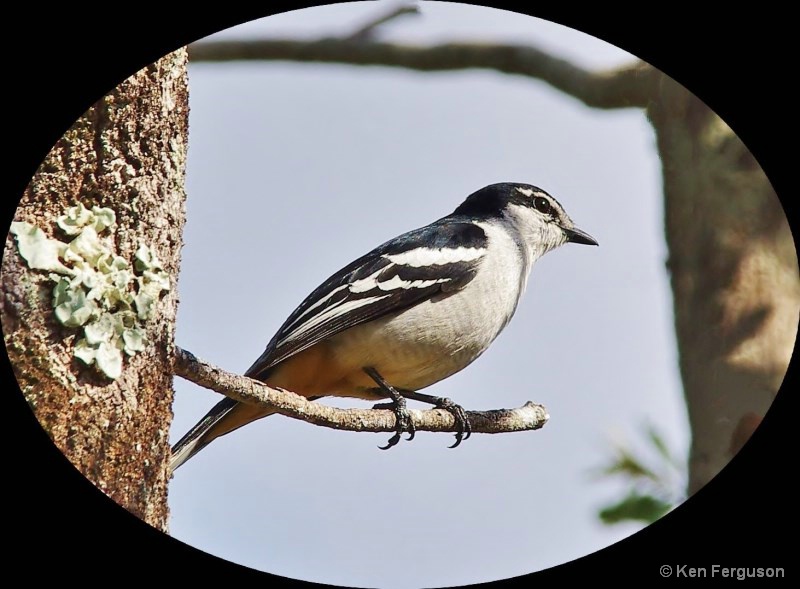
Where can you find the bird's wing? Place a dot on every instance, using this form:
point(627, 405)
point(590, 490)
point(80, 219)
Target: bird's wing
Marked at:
point(440, 257)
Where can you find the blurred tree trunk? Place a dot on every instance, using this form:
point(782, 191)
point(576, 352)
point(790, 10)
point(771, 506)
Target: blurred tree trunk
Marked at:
point(128, 153)
point(734, 273)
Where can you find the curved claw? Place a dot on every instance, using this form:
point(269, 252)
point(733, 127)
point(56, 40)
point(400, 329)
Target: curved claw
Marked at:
point(457, 442)
point(392, 442)
point(462, 421)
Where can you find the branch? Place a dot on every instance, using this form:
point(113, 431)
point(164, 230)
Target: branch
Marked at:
point(365, 31)
point(632, 85)
point(528, 417)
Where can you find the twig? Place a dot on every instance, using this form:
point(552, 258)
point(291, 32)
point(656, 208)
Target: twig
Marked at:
point(365, 31)
point(528, 417)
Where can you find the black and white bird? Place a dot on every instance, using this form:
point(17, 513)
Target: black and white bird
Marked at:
point(411, 312)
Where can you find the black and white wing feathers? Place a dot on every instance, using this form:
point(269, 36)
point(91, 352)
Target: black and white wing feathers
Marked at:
point(411, 268)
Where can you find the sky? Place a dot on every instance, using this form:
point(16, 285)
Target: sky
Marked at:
point(296, 169)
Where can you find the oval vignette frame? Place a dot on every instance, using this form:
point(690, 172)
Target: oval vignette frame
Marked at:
point(712, 499)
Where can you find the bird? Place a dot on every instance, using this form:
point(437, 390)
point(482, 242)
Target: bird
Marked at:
point(410, 313)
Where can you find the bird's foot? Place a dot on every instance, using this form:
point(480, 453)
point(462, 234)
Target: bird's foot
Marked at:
point(403, 421)
point(463, 425)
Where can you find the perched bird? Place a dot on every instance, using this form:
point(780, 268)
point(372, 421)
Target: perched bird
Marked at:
point(408, 314)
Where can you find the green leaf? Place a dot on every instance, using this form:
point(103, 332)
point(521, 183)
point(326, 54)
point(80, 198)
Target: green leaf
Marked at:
point(38, 250)
point(635, 507)
point(660, 445)
point(626, 463)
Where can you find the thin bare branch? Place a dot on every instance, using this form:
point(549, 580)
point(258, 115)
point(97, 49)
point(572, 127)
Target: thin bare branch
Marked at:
point(632, 85)
point(528, 417)
point(365, 31)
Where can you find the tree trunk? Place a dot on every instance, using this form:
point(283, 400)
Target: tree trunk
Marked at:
point(127, 153)
point(734, 274)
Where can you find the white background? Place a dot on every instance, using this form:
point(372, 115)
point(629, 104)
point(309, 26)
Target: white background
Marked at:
point(296, 169)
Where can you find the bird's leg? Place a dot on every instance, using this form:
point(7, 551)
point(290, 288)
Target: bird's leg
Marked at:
point(457, 411)
point(402, 416)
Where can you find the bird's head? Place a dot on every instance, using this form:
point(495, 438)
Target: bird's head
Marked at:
point(536, 216)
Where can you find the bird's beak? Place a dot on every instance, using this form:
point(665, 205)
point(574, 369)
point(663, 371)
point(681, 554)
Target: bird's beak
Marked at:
point(575, 235)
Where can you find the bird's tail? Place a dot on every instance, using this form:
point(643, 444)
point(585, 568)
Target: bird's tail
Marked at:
point(224, 417)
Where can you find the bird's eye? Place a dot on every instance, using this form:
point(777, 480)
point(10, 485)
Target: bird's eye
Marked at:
point(542, 205)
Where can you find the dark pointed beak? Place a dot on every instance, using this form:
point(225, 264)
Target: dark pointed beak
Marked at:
point(575, 235)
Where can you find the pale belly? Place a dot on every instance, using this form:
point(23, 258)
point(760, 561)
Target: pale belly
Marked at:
point(422, 345)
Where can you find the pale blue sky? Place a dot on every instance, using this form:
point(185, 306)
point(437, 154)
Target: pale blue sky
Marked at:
point(296, 169)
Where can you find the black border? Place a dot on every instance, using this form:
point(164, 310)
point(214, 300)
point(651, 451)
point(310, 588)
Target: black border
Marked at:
point(59, 60)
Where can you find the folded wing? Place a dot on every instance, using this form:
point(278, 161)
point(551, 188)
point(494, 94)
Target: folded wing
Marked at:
point(438, 258)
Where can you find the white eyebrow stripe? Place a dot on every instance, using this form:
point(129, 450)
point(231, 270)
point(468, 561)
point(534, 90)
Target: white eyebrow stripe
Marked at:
point(332, 313)
point(529, 191)
point(425, 256)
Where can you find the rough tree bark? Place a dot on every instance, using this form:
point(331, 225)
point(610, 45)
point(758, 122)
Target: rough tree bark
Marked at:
point(734, 275)
point(127, 153)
